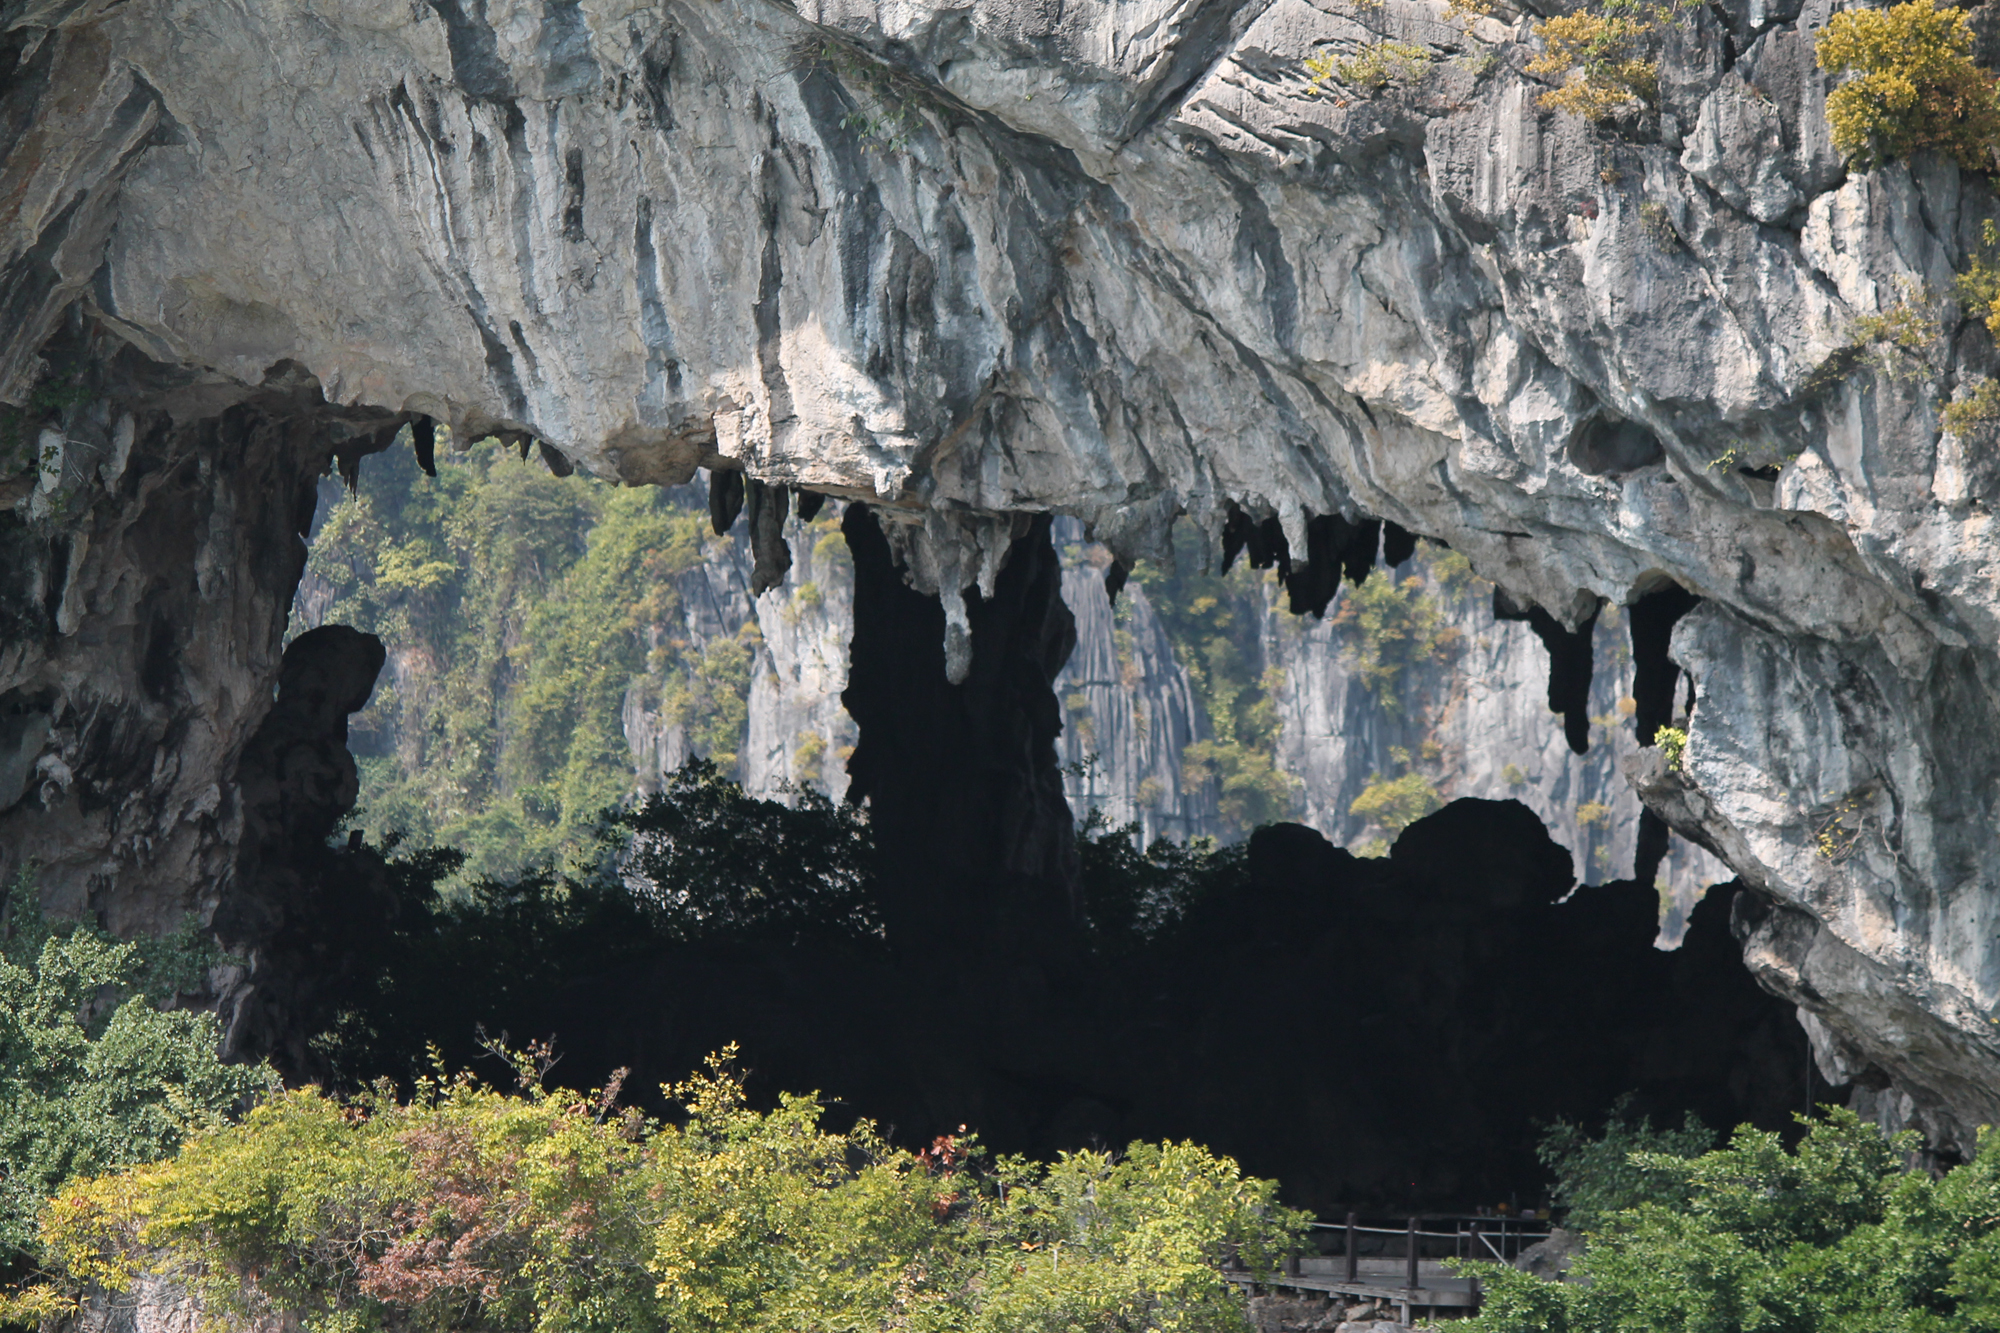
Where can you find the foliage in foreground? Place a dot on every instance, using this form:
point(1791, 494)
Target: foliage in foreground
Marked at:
point(467, 1208)
point(92, 1076)
point(1834, 1237)
point(1915, 86)
point(1596, 1178)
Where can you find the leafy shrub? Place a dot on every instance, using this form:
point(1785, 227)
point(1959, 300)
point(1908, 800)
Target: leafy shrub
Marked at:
point(1599, 60)
point(1392, 626)
point(1904, 333)
point(1898, 342)
point(1597, 1177)
point(1834, 1237)
point(1673, 744)
point(1915, 86)
point(1254, 791)
point(1979, 285)
point(466, 1208)
point(1979, 408)
point(92, 1076)
point(1371, 68)
point(1396, 803)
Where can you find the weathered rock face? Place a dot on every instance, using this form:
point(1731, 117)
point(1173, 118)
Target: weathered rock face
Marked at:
point(144, 585)
point(1116, 260)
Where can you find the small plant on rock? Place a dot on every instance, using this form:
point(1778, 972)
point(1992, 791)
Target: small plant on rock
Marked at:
point(1915, 86)
point(1673, 744)
point(1979, 285)
point(1659, 224)
point(1897, 341)
point(1600, 60)
point(1977, 409)
point(1372, 67)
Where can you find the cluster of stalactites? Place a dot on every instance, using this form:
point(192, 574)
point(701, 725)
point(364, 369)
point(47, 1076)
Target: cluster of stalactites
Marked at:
point(731, 493)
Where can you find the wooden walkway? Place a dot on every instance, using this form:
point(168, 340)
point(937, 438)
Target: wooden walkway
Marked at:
point(1411, 1281)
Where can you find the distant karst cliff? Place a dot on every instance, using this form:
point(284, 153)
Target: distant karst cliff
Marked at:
point(1259, 274)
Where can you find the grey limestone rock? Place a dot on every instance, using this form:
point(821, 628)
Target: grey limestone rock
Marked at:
point(1126, 262)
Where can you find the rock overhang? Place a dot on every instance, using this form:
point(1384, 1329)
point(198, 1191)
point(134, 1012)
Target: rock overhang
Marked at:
point(1133, 263)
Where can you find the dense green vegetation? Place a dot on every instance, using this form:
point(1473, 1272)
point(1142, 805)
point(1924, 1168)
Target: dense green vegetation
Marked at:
point(93, 1075)
point(518, 608)
point(472, 1209)
point(1833, 1236)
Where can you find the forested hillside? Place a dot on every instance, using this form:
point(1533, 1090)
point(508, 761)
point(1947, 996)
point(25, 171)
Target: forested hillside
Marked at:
point(522, 613)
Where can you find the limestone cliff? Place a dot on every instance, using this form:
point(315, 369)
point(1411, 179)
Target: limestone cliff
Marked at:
point(970, 261)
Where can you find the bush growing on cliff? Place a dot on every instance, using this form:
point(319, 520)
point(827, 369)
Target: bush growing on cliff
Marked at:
point(1392, 626)
point(1833, 1237)
point(1915, 86)
point(92, 1075)
point(1393, 804)
point(1600, 60)
point(467, 1208)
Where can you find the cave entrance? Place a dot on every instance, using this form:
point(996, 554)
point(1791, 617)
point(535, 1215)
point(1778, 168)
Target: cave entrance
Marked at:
point(1378, 1026)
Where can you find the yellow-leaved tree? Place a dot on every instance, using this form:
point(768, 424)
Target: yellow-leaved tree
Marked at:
point(1915, 86)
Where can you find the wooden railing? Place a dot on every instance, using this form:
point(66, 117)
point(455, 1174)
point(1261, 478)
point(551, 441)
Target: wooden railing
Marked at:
point(1501, 1238)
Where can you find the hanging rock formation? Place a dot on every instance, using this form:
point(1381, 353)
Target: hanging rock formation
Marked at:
point(1123, 261)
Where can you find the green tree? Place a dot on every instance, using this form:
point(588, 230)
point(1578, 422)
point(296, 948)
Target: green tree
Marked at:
point(1391, 626)
point(1131, 893)
point(1601, 59)
point(1597, 1177)
point(1835, 1236)
point(92, 1075)
point(1393, 804)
